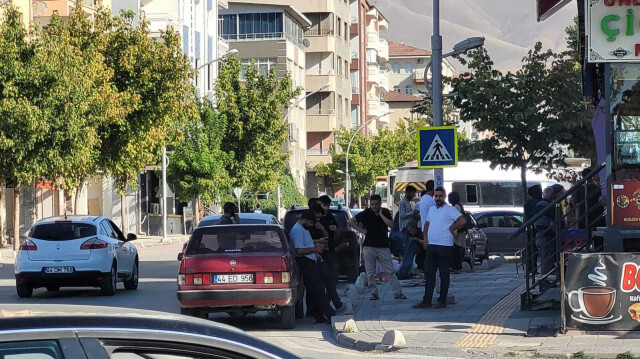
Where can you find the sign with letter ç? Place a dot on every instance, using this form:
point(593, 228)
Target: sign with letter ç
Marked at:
point(602, 291)
point(613, 30)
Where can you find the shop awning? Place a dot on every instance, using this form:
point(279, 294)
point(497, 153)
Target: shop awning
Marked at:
point(547, 8)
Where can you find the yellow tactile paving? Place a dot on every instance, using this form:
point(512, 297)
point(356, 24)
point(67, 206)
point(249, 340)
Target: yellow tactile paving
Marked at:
point(486, 331)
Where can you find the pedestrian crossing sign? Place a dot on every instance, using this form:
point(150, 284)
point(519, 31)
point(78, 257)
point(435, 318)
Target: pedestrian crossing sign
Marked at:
point(437, 147)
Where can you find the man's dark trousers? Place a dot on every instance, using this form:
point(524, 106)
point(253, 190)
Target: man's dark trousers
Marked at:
point(315, 289)
point(438, 258)
point(329, 272)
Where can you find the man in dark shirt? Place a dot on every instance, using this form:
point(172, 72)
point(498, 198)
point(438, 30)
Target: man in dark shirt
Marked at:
point(329, 265)
point(229, 210)
point(376, 221)
point(535, 196)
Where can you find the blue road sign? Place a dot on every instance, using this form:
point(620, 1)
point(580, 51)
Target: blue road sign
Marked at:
point(437, 147)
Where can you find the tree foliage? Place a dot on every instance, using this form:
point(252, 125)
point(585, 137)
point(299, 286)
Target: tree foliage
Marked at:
point(256, 134)
point(197, 166)
point(525, 111)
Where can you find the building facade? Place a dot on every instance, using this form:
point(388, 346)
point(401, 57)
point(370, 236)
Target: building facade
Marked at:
point(271, 36)
point(369, 76)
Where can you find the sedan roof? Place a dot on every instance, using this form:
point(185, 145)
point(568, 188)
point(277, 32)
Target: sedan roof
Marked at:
point(70, 218)
point(264, 216)
point(497, 213)
point(30, 317)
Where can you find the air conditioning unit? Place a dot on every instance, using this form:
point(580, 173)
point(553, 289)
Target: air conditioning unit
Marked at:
point(420, 61)
point(155, 207)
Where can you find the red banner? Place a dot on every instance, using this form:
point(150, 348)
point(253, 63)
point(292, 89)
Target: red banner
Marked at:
point(625, 203)
point(547, 8)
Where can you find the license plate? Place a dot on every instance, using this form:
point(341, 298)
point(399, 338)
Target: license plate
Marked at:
point(57, 270)
point(232, 278)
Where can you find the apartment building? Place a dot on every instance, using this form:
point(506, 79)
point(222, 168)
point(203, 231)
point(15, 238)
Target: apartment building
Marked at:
point(272, 37)
point(369, 76)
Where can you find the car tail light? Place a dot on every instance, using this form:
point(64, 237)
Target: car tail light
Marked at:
point(271, 277)
point(286, 277)
point(94, 243)
point(194, 279)
point(28, 245)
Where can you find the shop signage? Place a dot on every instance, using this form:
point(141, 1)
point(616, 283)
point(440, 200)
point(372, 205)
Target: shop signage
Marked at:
point(602, 291)
point(625, 203)
point(613, 30)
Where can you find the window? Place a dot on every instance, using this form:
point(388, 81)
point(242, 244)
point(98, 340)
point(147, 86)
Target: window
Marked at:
point(397, 89)
point(62, 231)
point(340, 68)
point(252, 26)
point(107, 228)
point(264, 66)
point(227, 239)
point(229, 26)
point(408, 67)
point(408, 90)
point(43, 349)
point(395, 68)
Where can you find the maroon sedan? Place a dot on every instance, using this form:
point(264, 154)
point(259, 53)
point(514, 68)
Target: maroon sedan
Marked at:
point(238, 269)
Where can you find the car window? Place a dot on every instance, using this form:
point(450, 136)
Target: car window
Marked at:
point(231, 239)
point(62, 231)
point(117, 231)
point(107, 227)
point(42, 349)
point(290, 219)
point(514, 221)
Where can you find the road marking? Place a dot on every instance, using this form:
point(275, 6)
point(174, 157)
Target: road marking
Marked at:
point(492, 323)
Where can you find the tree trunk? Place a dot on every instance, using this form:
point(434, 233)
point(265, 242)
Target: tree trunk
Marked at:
point(16, 218)
point(77, 198)
point(196, 211)
point(523, 178)
point(123, 206)
point(2, 238)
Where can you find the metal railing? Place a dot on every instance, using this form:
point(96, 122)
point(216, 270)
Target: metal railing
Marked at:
point(565, 234)
point(318, 32)
point(320, 112)
point(318, 152)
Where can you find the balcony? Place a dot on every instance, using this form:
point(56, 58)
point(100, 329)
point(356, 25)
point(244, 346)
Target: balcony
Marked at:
point(383, 49)
point(318, 32)
point(317, 152)
point(314, 160)
point(374, 108)
point(354, 54)
point(373, 40)
point(418, 76)
point(318, 79)
point(383, 77)
point(321, 120)
point(372, 73)
point(223, 4)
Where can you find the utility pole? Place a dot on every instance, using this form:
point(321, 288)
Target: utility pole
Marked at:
point(436, 57)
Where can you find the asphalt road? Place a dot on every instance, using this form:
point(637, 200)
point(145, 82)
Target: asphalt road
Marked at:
point(157, 291)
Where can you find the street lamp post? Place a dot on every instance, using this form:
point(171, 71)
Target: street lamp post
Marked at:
point(231, 52)
point(348, 179)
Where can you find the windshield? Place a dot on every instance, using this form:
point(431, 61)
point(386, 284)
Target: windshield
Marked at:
point(233, 239)
point(62, 231)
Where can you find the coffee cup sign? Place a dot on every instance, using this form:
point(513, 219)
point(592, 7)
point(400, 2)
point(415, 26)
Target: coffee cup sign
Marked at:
point(594, 302)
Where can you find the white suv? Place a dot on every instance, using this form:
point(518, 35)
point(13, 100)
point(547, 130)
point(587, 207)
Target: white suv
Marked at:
point(76, 251)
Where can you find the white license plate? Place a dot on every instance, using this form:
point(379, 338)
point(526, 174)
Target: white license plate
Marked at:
point(57, 270)
point(232, 278)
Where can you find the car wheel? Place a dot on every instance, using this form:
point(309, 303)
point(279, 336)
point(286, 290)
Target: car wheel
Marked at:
point(24, 290)
point(108, 285)
point(53, 288)
point(132, 282)
point(288, 318)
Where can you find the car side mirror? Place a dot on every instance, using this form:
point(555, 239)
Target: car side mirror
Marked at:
point(131, 237)
point(483, 225)
point(180, 256)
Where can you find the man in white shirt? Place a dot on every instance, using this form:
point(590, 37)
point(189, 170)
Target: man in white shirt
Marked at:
point(442, 220)
point(426, 202)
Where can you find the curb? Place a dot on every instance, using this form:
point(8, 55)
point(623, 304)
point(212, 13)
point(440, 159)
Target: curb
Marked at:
point(349, 341)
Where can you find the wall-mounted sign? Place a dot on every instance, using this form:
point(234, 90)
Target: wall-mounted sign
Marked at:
point(625, 203)
point(613, 30)
point(602, 291)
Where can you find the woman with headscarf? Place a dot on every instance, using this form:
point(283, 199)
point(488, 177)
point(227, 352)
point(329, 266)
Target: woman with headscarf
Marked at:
point(459, 237)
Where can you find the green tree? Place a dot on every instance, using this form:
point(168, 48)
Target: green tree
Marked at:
point(519, 109)
point(256, 133)
point(155, 77)
point(22, 124)
point(76, 97)
point(198, 167)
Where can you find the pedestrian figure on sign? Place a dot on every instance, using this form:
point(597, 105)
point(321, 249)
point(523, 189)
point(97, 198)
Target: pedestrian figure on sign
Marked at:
point(442, 222)
point(377, 221)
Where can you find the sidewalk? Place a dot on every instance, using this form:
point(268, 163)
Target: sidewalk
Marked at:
point(7, 255)
point(486, 321)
